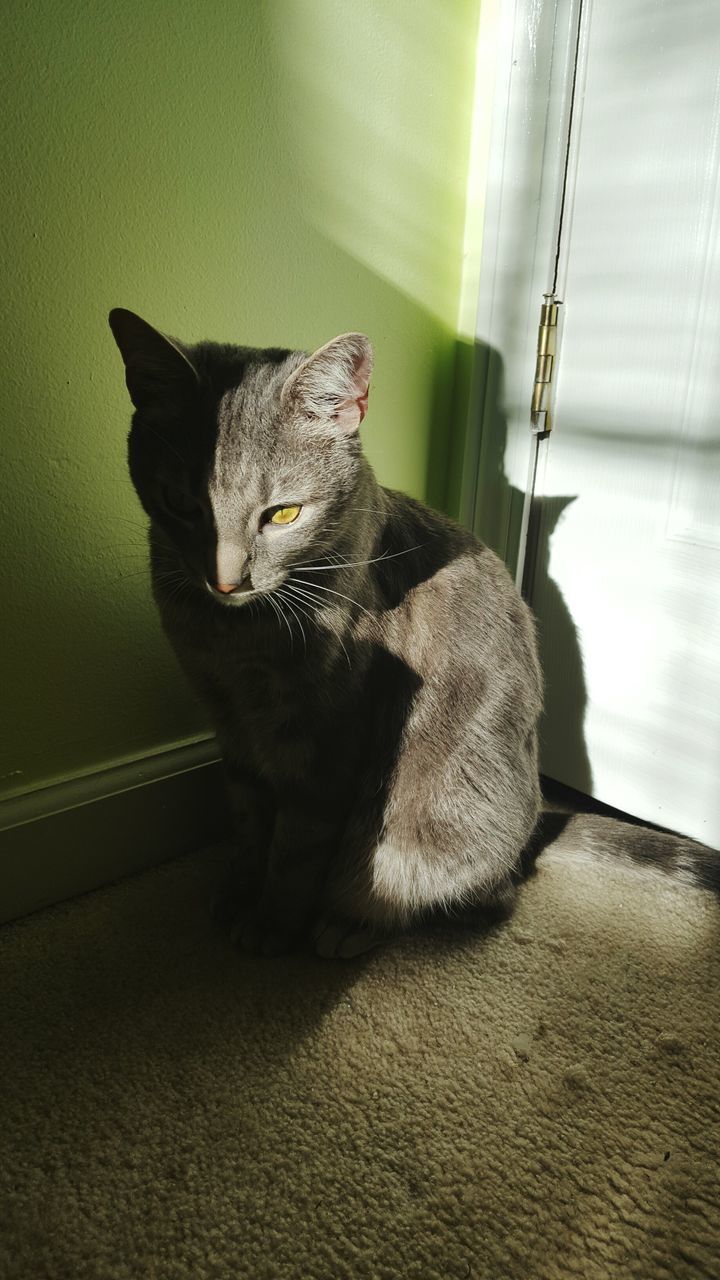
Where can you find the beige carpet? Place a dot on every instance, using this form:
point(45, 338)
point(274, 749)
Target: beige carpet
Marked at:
point(538, 1102)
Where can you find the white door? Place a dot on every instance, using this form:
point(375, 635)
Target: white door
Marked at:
point(626, 584)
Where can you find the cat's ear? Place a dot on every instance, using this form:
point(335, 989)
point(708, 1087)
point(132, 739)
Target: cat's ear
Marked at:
point(332, 384)
point(156, 368)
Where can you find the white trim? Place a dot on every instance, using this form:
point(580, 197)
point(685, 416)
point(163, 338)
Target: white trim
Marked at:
point(68, 793)
point(535, 53)
point(73, 836)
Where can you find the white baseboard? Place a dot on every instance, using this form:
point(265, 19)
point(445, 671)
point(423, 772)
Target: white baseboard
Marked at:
point(66, 839)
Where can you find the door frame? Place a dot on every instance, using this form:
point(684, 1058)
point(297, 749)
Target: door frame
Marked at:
point(540, 63)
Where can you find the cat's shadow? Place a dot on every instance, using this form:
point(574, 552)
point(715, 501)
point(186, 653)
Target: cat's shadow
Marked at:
point(146, 954)
point(145, 959)
point(477, 463)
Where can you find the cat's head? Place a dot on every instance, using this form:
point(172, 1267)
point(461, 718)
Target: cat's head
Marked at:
point(248, 460)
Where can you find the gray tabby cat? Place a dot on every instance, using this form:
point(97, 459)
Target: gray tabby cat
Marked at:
point(369, 668)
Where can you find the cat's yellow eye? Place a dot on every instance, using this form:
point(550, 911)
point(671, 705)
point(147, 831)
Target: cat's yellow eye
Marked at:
point(285, 515)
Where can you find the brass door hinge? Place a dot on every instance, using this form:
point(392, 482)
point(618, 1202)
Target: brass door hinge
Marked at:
point(546, 349)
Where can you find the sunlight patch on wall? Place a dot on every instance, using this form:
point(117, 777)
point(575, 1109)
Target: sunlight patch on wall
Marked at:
point(485, 67)
point(366, 114)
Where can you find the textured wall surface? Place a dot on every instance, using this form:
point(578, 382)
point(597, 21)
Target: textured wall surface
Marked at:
point(269, 173)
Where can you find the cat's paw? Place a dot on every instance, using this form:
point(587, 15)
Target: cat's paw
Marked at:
point(339, 938)
point(238, 892)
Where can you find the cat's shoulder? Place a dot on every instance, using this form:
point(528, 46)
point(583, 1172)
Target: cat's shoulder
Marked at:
point(435, 556)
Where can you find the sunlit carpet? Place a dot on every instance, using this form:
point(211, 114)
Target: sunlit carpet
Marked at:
point(541, 1101)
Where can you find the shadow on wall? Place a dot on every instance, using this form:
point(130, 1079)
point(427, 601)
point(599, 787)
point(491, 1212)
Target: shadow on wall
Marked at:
point(478, 489)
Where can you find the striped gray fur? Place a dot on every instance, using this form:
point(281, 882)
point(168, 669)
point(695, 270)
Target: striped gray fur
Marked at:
point(373, 679)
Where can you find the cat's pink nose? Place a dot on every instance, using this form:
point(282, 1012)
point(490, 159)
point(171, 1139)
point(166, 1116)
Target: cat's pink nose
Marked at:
point(226, 587)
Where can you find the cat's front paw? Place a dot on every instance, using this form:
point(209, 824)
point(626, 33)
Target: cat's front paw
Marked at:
point(238, 892)
point(339, 938)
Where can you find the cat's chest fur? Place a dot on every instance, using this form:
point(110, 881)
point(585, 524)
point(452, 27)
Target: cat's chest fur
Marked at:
point(279, 702)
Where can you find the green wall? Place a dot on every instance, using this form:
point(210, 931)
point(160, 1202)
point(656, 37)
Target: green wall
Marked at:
point(270, 173)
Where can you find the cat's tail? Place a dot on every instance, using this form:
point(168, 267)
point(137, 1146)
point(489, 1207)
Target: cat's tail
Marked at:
point(573, 837)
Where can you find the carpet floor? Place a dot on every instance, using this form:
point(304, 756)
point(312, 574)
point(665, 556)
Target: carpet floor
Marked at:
point(537, 1101)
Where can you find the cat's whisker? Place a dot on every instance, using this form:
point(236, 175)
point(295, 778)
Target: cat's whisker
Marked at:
point(128, 540)
point(295, 615)
point(284, 617)
point(313, 564)
point(272, 603)
point(170, 575)
point(103, 556)
point(316, 586)
point(134, 573)
point(122, 547)
point(326, 555)
point(170, 569)
point(280, 616)
point(325, 549)
point(317, 604)
point(311, 613)
point(175, 590)
point(312, 603)
point(135, 524)
point(312, 597)
point(376, 511)
point(353, 564)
